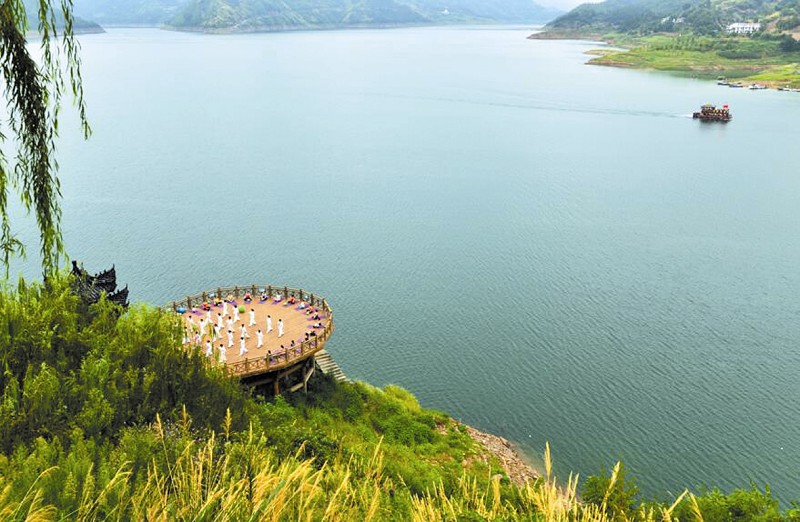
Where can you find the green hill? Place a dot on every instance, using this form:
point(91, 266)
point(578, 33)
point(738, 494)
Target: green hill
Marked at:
point(704, 17)
point(692, 37)
point(128, 12)
point(272, 15)
point(81, 25)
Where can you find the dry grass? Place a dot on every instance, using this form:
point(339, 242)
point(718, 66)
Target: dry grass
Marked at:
point(242, 480)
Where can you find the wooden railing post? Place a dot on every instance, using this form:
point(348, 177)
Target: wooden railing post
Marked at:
point(285, 293)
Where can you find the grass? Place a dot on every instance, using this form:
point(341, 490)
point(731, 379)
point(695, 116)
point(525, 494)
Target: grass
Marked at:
point(242, 480)
point(747, 59)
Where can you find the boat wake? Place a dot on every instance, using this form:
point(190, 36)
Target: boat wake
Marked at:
point(540, 106)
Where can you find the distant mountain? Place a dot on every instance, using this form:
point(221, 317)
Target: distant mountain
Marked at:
point(697, 16)
point(276, 15)
point(79, 25)
point(128, 12)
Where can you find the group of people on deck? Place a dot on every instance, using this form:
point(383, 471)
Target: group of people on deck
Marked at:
point(207, 331)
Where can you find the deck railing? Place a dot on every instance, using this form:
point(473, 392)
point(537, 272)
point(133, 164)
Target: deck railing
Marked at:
point(274, 361)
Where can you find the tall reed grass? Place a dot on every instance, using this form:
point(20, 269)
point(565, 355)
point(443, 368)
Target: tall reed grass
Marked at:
point(230, 480)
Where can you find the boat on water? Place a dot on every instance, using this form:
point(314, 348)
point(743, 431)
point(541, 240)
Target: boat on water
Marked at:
point(756, 87)
point(710, 112)
point(735, 85)
point(722, 81)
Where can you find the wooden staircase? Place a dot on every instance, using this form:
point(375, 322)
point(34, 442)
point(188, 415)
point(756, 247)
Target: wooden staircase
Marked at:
point(328, 366)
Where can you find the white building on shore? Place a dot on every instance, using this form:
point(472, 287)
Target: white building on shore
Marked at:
point(744, 28)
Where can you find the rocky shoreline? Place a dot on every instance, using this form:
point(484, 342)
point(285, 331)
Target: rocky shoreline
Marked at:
point(519, 471)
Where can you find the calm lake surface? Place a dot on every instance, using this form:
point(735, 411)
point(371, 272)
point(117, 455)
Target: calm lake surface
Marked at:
point(544, 249)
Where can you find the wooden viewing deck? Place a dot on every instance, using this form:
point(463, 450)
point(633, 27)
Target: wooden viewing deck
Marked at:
point(277, 358)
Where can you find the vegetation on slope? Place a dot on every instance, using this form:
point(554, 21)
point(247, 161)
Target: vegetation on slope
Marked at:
point(692, 36)
point(265, 15)
point(704, 17)
point(251, 15)
point(99, 406)
point(106, 417)
point(128, 12)
point(770, 61)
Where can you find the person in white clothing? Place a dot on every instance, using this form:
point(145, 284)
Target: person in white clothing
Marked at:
point(243, 332)
point(252, 317)
point(269, 324)
point(280, 327)
point(209, 349)
point(230, 322)
point(223, 354)
point(224, 307)
point(217, 330)
point(230, 338)
point(219, 320)
point(208, 315)
point(259, 339)
point(235, 314)
point(242, 349)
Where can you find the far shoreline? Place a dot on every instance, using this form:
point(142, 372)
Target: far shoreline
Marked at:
point(748, 74)
point(267, 29)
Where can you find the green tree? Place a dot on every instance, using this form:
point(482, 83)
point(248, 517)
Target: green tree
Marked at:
point(33, 94)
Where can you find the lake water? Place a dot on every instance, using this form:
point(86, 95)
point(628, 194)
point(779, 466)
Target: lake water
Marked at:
point(544, 249)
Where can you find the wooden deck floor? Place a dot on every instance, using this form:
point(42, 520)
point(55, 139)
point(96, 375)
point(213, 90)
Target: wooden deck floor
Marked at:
point(296, 325)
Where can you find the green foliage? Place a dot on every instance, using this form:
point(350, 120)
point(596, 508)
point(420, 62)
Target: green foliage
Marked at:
point(767, 59)
point(271, 15)
point(65, 369)
point(33, 95)
point(614, 493)
point(738, 506)
point(126, 12)
point(789, 44)
point(698, 17)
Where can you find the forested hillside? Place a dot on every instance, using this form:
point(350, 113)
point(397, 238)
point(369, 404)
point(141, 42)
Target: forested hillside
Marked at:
point(128, 12)
point(704, 17)
point(267, 15)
